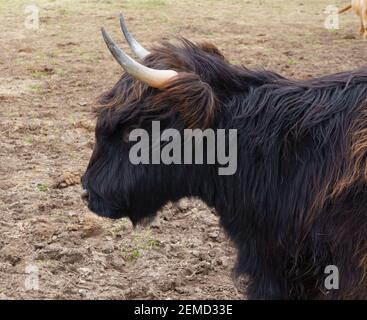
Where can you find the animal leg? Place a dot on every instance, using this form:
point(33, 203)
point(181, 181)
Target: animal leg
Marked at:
point(262, 282)
point(361, 29)
point(364, 23)
point(265, 287)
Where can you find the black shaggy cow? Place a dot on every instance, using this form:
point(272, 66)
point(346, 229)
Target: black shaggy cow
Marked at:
point(298, 200)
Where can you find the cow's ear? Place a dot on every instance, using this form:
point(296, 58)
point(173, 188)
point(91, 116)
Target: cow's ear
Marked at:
point(192, 98)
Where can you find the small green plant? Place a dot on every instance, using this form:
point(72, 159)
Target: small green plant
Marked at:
point(42, 187)
point(142, 243)
point(292, 62)
point(135, 254)
point(34, 87)
point(130, 255)
point(29, 140)
point(39, 74)
point(60, 72)
point(152, 243)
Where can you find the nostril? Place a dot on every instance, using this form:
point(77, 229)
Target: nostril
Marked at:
point(85, 195)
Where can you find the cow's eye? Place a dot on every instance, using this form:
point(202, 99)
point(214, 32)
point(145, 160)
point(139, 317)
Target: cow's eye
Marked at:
point(126, 134)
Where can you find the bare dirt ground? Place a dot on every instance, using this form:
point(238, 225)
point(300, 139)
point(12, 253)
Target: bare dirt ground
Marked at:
point(49, 79)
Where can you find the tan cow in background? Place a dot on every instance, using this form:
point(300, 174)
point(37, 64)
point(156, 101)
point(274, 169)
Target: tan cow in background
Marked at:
point(360, 8)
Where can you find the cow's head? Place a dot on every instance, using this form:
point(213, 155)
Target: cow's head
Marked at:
point(182, 87)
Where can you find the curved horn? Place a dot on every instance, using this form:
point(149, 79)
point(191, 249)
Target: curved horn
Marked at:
point(135, 46)
point(152, 77)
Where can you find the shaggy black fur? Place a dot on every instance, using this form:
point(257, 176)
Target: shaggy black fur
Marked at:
point(298, 201)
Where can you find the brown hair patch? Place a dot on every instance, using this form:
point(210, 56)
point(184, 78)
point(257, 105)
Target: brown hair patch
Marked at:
point(192, 98)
